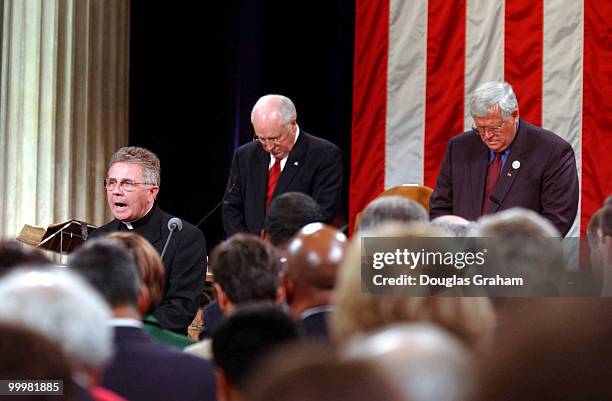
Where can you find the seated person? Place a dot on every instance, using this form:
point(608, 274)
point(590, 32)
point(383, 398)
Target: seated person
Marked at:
point(141, 369)
point(151, 270)
point(243, 340)
point(313, 259)
point(246, 271)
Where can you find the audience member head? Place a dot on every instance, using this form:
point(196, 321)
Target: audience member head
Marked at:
point(28, 355)
point(455, 226)
point(388, 209)
point(150, 265)
point(593, 227)
point(246, 270)
point(310, 371)
point(471, 319)
point(515, 222)
point(605, 234)
point(14, 253)
point(243, 340)
point(524, 244)
point(558, 349)
point(424, 362)
point(110, 268)
point(61, 306)
point(605, 224)
point(274, 120)
point(288, 213)
point(313, 258)
point(608, 201)
point(592, 232)
point(132, 182)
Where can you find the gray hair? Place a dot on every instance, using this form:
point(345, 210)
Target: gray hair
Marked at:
point(389, 209)
point(284, 107)
point(516, 222)
point(593, 227)
point(425, 362)
point(151, 170)
point(491, 95)
point(455, 226)
point(524, 244)
point(60, 305)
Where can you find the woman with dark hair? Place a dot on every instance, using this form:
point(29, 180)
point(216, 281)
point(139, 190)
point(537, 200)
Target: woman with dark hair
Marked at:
point(152, 275)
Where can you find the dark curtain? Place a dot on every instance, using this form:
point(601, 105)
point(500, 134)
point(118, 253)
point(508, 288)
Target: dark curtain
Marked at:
point(196, 69)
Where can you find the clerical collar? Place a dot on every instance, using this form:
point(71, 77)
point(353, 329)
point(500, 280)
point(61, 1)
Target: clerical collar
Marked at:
point(131, 225)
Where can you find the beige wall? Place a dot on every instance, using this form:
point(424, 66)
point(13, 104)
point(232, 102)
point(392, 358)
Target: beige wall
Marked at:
point(63, 108)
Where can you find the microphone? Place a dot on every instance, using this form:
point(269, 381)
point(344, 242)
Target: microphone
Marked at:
point(235, 181)
point(495, 200)
point(174, 224)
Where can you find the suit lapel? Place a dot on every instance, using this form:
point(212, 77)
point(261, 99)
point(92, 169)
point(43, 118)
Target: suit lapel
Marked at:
point(259, 176)
point(294, 163)
point(477, 173)
point(511, 168)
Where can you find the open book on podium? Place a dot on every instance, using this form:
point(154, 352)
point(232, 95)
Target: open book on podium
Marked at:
point(62, 238)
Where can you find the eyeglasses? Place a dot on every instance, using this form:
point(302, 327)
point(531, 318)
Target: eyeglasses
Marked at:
point(493, 130)
point(126, 185)
point(263, 141)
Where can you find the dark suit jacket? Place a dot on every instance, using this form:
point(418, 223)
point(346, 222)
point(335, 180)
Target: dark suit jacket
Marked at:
point(545, 182)
point(185, 264)
point(313, 323)
point(144, 370)
point(314, 167)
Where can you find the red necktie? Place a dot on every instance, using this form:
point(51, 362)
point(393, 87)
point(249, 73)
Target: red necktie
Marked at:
point(492, 178)
point(273, 176)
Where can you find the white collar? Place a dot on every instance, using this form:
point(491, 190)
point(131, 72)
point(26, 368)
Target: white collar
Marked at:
point(124, 322)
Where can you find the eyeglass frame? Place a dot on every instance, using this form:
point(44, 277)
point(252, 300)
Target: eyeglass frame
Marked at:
point(275, 140)
point(122, 184)
point(493, 130)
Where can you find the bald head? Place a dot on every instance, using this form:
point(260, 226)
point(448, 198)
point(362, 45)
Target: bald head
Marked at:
point(313, 258)
point(274, 107)
point(274, 122)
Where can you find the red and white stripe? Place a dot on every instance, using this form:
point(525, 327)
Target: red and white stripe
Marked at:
point(416, 62)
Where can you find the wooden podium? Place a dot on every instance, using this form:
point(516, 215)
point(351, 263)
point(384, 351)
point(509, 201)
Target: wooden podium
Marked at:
point(62, 238)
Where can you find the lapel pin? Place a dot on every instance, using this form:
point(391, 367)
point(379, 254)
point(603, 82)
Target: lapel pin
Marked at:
point(295, 163)
point(516, 164)
point(509, 174)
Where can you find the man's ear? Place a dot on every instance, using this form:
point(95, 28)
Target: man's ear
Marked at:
point(223, 390)
point(144, 300)
point(223, 300)
point(280, 294)
point(154, 191)
point(286, 287)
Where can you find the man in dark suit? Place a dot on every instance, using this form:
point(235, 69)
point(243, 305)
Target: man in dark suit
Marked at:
point(242, 342)
point(282, 158)
point(313, 260)
point(132, 185)
point(141, 368)
point(504, 162)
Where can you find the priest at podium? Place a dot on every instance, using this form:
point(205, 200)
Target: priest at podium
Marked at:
point(132, 184)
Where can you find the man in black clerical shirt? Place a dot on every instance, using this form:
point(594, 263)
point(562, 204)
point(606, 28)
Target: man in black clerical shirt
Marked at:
point(132, 184)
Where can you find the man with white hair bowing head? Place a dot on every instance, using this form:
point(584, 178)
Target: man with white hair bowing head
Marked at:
point(281, 158)
point(505, 162)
